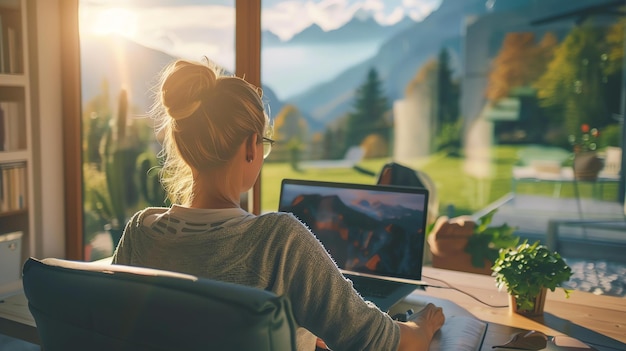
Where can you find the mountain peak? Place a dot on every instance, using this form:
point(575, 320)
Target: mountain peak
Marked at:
point(363, 15)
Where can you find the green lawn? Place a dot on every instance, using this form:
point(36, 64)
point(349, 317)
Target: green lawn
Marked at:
point(454, 186)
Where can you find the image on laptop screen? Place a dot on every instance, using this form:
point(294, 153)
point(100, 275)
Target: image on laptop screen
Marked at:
point(369, 229)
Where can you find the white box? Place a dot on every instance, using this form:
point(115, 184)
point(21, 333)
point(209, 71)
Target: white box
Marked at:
point(10, 257)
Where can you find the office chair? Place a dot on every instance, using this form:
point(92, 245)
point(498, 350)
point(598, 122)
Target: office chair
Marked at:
point(87, 306)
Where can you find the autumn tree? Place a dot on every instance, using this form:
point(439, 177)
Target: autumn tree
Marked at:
point(368, 116)
point(518, 64)
point(290, 130)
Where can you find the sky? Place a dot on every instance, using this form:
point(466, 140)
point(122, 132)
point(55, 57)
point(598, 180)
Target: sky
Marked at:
point(194, 28)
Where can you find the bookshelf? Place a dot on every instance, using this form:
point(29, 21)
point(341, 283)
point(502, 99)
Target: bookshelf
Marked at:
point(16, 155)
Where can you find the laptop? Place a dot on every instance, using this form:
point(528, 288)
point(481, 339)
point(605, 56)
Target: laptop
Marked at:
point(375, 233)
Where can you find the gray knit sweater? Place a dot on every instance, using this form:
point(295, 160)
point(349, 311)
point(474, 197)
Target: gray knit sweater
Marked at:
point(275, 252)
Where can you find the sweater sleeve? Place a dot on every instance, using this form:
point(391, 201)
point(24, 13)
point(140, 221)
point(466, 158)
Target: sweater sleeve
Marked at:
point(122, 253)
point(325, 303)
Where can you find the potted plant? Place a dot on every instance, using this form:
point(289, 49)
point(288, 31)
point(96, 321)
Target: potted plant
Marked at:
point(586, 162)
point(527, 271)
point(466, 245)
point(486, 242)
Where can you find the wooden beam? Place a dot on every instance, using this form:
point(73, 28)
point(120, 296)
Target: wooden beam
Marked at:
point(72, 135)
point(248, 66)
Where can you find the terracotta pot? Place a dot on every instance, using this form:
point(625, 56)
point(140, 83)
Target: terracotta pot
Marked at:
point(540, 301)
point(462, 262)
point(449, 236)
point(447, 243)
point(587, 165)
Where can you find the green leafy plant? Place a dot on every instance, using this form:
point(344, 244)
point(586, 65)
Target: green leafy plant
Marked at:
point(486, 242)
point(526, 269)
point(587, 141)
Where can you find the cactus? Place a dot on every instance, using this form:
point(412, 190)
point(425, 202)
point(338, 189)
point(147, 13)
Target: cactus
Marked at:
point(149, 182)
point(130, 171)
point(119, 154)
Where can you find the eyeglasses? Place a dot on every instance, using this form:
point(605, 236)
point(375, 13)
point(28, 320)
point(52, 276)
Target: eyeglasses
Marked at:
point(267, 146)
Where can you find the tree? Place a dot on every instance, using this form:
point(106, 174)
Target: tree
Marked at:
point(447, 92)
point(518, 63)
point(369, 111)
point(435, 76)
point(290, 130)
point(573, 89)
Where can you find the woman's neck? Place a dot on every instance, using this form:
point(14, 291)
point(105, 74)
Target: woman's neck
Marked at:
point(209, 202)
point(215, 189)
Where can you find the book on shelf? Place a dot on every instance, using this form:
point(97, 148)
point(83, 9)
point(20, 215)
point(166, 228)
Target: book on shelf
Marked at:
point(12, 126)
point(13, 193)
point(12, 50)
point(2, 66)
point(2, 130)
point(10, 37)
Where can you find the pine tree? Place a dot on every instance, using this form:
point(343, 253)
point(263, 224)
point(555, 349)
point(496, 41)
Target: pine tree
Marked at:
point(447, 92)
point(369, 110)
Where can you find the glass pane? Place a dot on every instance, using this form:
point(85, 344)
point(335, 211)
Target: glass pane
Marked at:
point(124, 45)
point(492, 102)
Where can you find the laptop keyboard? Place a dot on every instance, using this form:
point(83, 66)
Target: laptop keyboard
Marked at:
point(373, 287)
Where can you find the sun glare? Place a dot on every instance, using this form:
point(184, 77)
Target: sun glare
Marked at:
point(112, 21)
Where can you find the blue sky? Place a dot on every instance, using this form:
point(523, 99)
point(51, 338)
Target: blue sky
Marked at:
point(184, 27)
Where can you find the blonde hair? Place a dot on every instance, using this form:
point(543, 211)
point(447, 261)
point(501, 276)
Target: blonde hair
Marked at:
point(204, 117)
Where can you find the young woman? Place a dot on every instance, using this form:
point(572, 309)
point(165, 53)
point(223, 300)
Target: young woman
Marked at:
point(216, 136)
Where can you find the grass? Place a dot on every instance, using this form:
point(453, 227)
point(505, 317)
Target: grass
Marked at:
point(459, 192)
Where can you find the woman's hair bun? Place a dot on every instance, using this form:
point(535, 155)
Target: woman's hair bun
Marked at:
point(183, 85)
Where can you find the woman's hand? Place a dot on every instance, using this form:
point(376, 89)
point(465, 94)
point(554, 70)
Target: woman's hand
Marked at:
point(418, 331)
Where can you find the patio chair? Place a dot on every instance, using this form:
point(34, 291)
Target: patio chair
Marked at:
point(353, 156)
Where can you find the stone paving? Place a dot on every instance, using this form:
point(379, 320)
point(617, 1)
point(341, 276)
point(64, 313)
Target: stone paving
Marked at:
point(598, 277)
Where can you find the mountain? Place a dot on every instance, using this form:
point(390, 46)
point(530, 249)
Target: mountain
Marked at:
point(269, 39)
point(307, 208)
point(135, 67)
point(380, 210)
point(397, 60)
point(356, 30)
point(361, 28)
point(400, 58)
point(126, 64)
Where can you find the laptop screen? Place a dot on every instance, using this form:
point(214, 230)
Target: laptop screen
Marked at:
point(370, 229)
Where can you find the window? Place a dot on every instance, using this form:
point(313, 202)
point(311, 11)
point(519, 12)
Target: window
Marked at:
point(490, 99)
point(124, 45)
point(487, 98)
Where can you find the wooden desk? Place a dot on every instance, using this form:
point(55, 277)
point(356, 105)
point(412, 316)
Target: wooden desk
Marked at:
point(595, 319)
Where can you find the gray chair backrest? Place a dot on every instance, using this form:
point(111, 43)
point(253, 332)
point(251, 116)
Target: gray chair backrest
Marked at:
point(86, 306)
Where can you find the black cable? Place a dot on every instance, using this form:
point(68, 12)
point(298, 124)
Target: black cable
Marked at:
point(449, 286)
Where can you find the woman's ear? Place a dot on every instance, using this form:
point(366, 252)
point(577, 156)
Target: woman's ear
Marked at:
point(251, 147)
